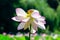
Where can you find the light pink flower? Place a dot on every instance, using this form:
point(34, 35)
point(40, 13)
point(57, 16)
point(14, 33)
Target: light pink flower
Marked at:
point(32, 17)
point(44, 35)
point(4, 33)
point(11, 35)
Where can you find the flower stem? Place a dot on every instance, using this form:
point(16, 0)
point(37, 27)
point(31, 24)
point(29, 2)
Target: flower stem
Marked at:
point(30, 33)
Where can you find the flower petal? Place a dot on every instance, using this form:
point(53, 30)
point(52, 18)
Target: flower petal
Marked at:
point(35, 14)
point(27, 24)
point(15, 19)
point(20, 12)
point(21, 26)
point(26, 19)
point(41, 18)
point(40, 25)
point(18, 18)
point(34, 25)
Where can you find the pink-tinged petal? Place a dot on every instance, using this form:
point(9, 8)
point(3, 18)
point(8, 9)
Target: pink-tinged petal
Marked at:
point(40, 25)
point(15, 19)
point(21, 26)
point(26, 19)
point(35, 14)
point(43, 22)
point(41, 18)
point(20, 12)
point(18, 18)
point(34, 26)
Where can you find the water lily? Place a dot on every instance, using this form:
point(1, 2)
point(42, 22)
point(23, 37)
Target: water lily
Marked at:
point(19, 34)
point(11, 35)
point(31, 17)
point(43, 35)
point(4, 33)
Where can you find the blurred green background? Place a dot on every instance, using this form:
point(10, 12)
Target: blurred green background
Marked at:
point(50, 9)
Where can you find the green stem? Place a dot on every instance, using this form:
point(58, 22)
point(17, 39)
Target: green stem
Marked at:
point(30, 33)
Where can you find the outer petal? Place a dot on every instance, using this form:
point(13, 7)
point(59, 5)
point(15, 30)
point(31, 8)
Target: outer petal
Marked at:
point(20, 12)
point(21, 26)
point(18, 18)
point(35, 14)
point(41, 20)
point(24, 24)
point(40, 25)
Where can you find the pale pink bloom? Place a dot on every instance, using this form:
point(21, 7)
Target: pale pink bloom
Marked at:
point(19, 34)
point(4, 33)
point(34, 34)
point(32, 17)
point(44, 35)
point(26, 34)
point(11, 35)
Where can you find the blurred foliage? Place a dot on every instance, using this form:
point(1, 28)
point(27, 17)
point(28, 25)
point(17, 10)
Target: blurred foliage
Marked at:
point(48, 8)
point(38, 37)
point(7, 37)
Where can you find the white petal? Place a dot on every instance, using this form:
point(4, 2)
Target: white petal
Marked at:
point(15, 19)
point(42, 21)
point(40, 25)
point(21, 26)
point(20, 12)
point(25, 20)
point(18, 18)
point(41, 18)
point(35, 14)
point(34, 25)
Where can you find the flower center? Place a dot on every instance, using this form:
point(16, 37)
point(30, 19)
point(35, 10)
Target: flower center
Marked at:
point(29, 14)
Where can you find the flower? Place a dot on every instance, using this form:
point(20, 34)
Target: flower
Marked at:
point(19, 34)
point(4, 33)
point(11, 35)
point(32, 17)
point(44, 35)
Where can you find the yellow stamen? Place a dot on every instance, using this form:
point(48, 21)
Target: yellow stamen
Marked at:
point(30, 21)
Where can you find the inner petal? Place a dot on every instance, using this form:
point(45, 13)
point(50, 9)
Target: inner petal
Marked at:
point(27, 24)
point(34, 25)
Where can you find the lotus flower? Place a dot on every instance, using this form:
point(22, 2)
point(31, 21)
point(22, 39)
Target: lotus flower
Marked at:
point(31, 17)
